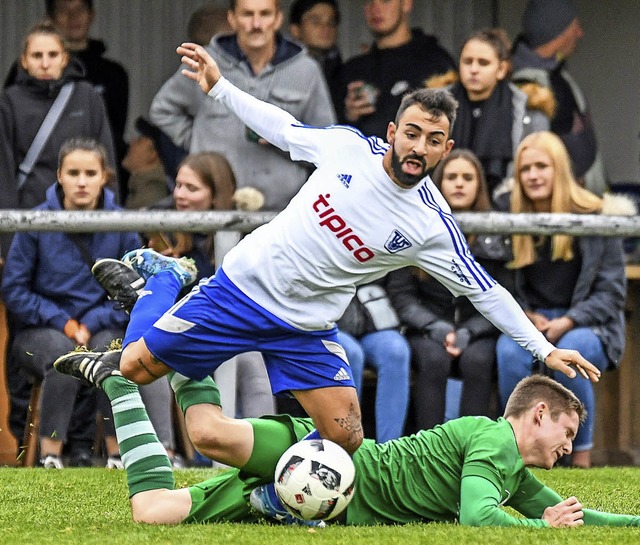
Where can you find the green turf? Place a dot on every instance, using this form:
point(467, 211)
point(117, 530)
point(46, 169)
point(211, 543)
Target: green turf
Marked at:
point(89, 506)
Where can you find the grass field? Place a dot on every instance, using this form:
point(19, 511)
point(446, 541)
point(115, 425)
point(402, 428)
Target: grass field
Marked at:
point(89, 506)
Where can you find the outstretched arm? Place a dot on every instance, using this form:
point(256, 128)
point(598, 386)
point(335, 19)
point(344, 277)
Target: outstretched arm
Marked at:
point(498, 306)
point(549, 505)
point(480, 506)
point(204, 70)
point(269, 121)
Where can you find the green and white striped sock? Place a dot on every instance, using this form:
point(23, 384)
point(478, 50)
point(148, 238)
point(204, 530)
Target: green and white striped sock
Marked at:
point(144, 458)
point(193, 392)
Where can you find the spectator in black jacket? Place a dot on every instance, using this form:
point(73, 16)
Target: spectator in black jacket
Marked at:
point(73, 18)
point(400, 60)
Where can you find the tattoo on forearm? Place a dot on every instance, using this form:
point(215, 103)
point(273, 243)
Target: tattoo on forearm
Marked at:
point(353, 424)
point(141, 364)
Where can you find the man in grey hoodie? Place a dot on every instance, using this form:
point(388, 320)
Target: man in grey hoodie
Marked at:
point(257, 59)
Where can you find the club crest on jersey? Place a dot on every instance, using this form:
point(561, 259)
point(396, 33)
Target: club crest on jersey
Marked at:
point(345, 179)
point(338, 226)
point(396, 242)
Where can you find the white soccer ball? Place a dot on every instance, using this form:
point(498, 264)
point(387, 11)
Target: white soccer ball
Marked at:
point(315, 479)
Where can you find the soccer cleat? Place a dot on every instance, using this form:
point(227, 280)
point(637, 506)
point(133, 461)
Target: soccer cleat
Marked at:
point(115, 462)
point(148, 262)
point(91, 367)
point(264, 500)
point(51, 461)
point(119, 280)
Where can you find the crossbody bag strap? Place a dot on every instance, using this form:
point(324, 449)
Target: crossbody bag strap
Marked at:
point(45, 130)
point(76, 238)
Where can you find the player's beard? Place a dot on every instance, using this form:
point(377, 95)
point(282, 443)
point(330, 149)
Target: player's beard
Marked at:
point(409, 180)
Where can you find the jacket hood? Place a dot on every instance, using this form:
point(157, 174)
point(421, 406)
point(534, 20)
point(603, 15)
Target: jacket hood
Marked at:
point(525, 57)
point(53, 200)
point(539, 97)
point(73, 71)
point(285, 48)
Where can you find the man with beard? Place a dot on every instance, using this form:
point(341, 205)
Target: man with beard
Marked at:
point(368, 208)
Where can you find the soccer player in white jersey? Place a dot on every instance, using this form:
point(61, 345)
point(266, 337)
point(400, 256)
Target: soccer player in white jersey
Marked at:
point(368, 208)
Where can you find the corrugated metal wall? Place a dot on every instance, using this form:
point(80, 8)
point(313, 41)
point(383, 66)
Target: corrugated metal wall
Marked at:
point(143, 34)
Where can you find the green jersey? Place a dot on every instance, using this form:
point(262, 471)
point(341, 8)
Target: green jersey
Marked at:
point(418, 477)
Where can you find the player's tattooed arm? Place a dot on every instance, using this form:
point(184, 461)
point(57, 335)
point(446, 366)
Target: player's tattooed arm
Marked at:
point(353, 424)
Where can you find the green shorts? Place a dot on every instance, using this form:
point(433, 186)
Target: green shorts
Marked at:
point(225, 497)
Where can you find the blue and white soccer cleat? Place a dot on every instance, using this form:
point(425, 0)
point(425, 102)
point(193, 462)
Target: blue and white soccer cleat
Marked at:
point(264, 500)
point(148, 262)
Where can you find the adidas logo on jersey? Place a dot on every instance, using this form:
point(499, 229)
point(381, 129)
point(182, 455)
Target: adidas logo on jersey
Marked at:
point(342, 375)
point(345, 179)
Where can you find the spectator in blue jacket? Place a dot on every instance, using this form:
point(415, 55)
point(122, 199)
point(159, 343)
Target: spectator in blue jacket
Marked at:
point(55, 304)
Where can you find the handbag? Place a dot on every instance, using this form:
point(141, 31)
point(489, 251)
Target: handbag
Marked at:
point(378, 311)
point(45, 130)
point(370, 310)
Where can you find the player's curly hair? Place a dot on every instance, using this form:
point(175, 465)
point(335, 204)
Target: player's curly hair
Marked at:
point(537, 388)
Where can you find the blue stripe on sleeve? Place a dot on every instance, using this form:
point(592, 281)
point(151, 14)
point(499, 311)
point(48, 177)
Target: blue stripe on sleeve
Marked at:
point(483, 279)
point(376, 145)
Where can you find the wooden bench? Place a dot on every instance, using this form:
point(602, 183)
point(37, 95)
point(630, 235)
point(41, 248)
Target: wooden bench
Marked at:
point(8, 443)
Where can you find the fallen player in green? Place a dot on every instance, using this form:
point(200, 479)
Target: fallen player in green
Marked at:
point(464, 470)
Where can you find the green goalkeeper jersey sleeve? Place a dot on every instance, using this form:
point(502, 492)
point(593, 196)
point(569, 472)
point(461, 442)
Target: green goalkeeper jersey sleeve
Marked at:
point(534, 504)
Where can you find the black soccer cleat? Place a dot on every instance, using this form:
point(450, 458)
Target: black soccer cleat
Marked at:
point(90, 367)
point(119, 280)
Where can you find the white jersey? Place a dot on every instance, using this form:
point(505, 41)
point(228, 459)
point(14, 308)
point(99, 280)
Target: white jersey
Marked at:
point(351, 224)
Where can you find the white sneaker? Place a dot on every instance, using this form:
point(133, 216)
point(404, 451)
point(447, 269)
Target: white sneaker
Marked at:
point(177, 462)
point(52, 462)
point(115, 462)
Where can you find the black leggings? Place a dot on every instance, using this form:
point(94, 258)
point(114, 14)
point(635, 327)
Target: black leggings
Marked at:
point(433, 366)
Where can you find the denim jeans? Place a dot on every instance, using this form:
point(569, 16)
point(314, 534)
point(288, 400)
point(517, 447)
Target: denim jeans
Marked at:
point(515, 363)
point(388, 352)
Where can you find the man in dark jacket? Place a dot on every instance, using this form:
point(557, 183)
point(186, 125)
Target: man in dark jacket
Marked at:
point(400, 60)
point(74, 19)
point(550, 34)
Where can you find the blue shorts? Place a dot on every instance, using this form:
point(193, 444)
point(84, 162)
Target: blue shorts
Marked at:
point(217, 321)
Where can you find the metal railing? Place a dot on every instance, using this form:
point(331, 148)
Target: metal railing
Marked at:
point(244, 222)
